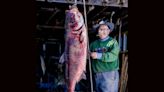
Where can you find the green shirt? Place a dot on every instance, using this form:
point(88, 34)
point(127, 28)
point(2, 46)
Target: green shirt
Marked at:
point(110, 55)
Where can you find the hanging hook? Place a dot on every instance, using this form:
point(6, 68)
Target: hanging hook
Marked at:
point(111, 16)
point(75, 2)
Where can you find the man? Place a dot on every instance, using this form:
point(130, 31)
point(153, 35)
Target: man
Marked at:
point(105, 59)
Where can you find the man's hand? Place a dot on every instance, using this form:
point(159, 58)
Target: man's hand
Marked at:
point(94, 55)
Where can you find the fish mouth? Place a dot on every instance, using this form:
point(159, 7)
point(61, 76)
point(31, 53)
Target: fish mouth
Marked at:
point(79, 28)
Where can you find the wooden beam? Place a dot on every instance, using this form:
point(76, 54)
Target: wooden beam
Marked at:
point(51, 27)
point(91, 2)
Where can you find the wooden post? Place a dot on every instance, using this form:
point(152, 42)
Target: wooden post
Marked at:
point(124, 75)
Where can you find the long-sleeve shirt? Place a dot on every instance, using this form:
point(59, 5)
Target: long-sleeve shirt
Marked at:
point(108, 55)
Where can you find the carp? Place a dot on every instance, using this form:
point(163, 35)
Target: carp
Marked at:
point(75, 53)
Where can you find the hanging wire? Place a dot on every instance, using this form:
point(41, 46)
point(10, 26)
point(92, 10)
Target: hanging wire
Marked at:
point(90, 70)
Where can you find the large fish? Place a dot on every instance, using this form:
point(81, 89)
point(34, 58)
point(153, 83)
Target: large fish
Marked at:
point(75, 54)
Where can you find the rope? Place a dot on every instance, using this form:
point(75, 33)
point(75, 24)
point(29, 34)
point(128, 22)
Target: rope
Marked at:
point(90, 70)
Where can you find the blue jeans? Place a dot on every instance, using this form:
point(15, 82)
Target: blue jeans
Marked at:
point(107, 81)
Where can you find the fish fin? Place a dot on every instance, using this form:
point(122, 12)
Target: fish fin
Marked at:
point(61, 60)
point(83, 76)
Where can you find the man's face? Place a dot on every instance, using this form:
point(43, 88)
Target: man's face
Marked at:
point(103, 31)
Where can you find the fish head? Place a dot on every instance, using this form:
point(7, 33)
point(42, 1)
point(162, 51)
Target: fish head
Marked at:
point(74, 19)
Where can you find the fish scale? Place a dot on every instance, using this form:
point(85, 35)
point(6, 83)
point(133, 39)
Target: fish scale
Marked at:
point(75, 54)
